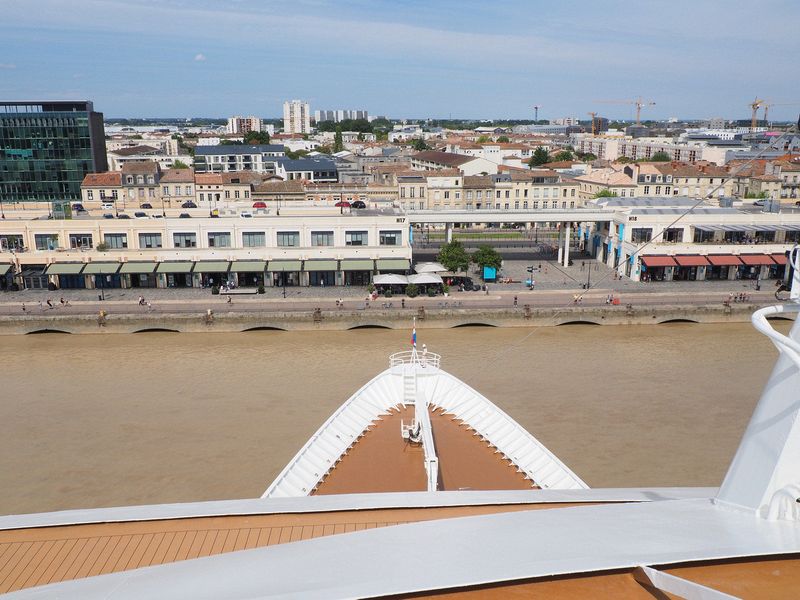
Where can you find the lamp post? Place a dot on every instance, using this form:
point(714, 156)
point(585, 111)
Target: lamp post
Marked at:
point(2, 212)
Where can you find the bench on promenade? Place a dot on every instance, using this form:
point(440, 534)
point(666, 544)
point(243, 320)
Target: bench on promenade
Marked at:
point(239, 292)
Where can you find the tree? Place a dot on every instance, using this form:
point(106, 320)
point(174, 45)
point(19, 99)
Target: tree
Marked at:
point(503, 139)
point(483, 139)
point(623, 160)
point(454, 257)
point(563, 155)
point(486, 256)
point(660, 156)
point(540, 157)
point(605, 194)
point(256, 137)
point(419, 144)
point(338, 144)
point(585, 156)
point(179, 164)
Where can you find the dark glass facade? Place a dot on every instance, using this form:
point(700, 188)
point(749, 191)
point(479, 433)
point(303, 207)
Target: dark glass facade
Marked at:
point(47, 148)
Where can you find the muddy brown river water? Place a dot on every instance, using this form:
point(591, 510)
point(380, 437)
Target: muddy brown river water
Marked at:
point(103, 420)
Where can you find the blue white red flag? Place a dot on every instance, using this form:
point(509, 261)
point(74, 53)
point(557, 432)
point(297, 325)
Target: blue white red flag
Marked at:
point(414, 335)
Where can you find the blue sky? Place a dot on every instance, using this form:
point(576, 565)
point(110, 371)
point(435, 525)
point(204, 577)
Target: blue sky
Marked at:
point(403, 59)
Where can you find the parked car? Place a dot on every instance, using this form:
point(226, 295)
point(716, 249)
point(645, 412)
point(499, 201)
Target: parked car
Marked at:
point(139, 215)
point(761, 202)
point(188, 204)
point(184, 216)
point(107, 206)
point(358, 204)
point(342, 204)
point(259, 204)
point(246, 214)
point(123, 216)
point(145, 205)
point(78, 208)
point(108, 216)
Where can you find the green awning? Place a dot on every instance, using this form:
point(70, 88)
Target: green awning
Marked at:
point(64, 269)
point(284, 265)
point(138, 268)
point(211, 266)
point(393, 264)
point(248, 266)
point(4, 268)
point(175, 266)
point(321, 265)
point(357, 264)
point(101, 268)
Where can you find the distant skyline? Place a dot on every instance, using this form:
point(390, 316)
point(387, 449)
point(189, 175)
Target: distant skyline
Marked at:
point(404, 59)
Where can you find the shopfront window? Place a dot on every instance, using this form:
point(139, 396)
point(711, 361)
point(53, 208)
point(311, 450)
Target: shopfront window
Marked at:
point(254, 239)
point(220, 239)
point(390, 238)
point(288, 239)
point(184, 240)
point(355, 238)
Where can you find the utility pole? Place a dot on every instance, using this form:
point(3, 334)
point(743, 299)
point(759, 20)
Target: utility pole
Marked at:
point(536, 112)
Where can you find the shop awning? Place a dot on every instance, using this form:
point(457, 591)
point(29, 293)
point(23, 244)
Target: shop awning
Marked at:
point(658, 261)
point(278, 266)
point(390, 279)
point(4, 268)
point(248, 266)
point(429, 267)
point(779, 259)
point(724, 260)
point(321, 265)
point(175, 266)
point(393, 264)
point(101, 268)
point(424, 278)
point(64, 268)
point(211, 266)
point(708, 228)
point(357, 264)
point(138, 268)
point(691, 260)
point(756, 259)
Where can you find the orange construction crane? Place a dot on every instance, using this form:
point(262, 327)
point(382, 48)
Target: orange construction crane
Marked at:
point(637, 102)
point(754, 106)
point(767, 106)
point(594, 128)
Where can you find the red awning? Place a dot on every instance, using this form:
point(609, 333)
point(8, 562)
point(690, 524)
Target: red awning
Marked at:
point(658, 261)
point(723, 260)
point(691, 260)
point(778, 258)
point(754, 260)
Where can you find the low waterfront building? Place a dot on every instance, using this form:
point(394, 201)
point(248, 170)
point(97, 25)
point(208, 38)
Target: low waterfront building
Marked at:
point(302, 246)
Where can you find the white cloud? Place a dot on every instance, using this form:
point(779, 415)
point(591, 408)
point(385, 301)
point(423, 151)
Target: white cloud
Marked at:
point(199, 57)
point(7, 66)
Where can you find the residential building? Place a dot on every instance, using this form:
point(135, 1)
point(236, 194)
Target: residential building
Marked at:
point(215, 189)
point(339, 115)
point(242, 125)
point(101, 188)
point(47, 148)
point(233, 157)
point(431, 160)
point(612, 147)
point(296, 117)
point(141, 183)
point(310, 169)
point(178, 187)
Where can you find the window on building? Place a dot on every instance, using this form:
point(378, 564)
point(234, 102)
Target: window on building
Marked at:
point(516, 204)
point(572, 193)
point(46, 241)
point(497, 194)
point(151, 192)
point(674, 235)
point(129, 179)
point(658, 190)
point(525, 193)
point(184, 240)
point(117, 241)
point(390, 238)
point(89, 195)
point(254, 239)
point(355, 238)
point(80, 240)
point(322, 238)
point(140, 179)
point(221, 239)
point(545, 204)
point(141, 192)
point(150, 240)
point(202, 197)
point(150, 180)
point(525, 205)
point(227, 194)
point(288, 239)
point(402, 192)
point(646, 190)
point(479, 195)
point(640, 235)
point(447, 195)
point(535, 204)
point(236, 194)
point(165, 190)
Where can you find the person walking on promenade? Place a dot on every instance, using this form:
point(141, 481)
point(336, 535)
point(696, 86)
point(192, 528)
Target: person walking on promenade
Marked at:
point(149, 306)
point(23, 307)
point(230, 300)
point(49, 303)
point(515, 301)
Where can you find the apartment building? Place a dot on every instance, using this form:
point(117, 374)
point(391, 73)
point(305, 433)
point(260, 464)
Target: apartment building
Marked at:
point(177, 187)
point(431, 160)
point(612, 147)
point(243, 125)
point(310, 169)
point(261, 158)
point(296, 117)
point(214, 188)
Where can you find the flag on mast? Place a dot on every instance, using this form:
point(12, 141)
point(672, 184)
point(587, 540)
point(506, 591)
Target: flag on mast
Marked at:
point(414, 334)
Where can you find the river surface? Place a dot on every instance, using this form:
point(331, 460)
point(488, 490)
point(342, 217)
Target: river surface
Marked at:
point(104, 420)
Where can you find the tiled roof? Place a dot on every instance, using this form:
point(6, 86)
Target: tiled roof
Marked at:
point(143, 167)
point(443, 158)
point(477, 181)
point(134, 150)
point(280, 187)
point(178, 176)
point(237, 149)
point(109, 178)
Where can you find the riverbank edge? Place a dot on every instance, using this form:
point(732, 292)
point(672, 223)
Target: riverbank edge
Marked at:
point(341, 320)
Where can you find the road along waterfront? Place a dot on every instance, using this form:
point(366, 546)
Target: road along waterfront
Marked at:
point(117, 419)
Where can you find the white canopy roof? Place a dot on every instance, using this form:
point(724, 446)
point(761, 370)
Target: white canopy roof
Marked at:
point(429, 267)
point(390, 279)
point(424, 278)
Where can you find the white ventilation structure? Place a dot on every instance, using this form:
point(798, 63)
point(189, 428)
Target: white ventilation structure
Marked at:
point(415, 378)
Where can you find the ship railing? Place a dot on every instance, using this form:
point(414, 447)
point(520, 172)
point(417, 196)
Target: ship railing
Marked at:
point(415, 358)
point(783, 343)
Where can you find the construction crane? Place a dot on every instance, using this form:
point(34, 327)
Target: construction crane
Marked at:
point(637, 102)
point(754, 106)
point(594, 128)
point(536, 112)
point(767, 106)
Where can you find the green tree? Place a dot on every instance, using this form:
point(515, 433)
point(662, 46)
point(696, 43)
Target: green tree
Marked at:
point(585, 156)
point(486, 256)
point(419, 144)
point(660, 156)
point(256, 137)
point(454, 257)
point(623, 160)
point(483, 139)
point(179, 164)
point(563, 155)
point(605, 194)
point(338, 144)
point(540, 157)
point(503, 139)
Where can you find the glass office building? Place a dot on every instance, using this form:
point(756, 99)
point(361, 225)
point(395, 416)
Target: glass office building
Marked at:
point(46, 149)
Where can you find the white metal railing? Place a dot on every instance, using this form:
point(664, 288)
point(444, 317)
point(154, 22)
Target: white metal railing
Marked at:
point(423, 419)
point(783, 343)
point(413, 357)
